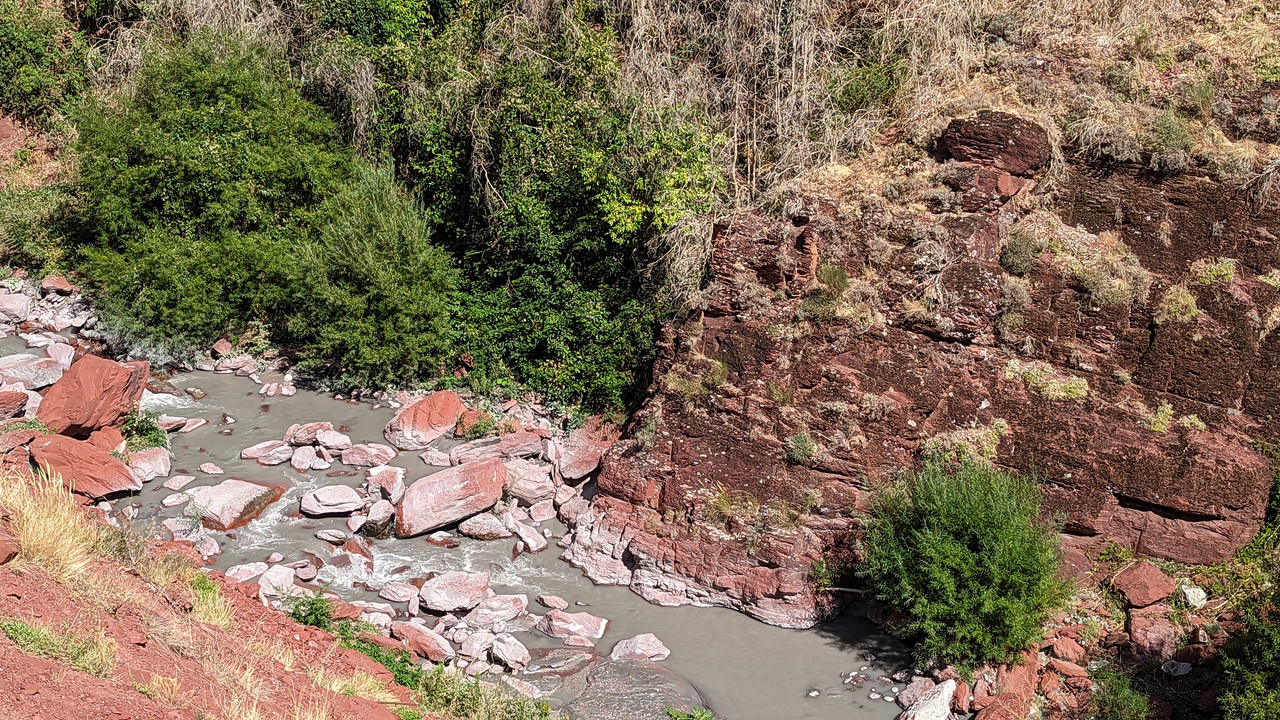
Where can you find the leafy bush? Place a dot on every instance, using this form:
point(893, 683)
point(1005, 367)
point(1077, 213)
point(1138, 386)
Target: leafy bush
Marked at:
point(31, 221)
point(374, 22)
point(962, 551)
point(1251, 662)
point(800, 448)
point(141, 431)
point(377, 293)
point(196, 185)
point(42, 61)
point(313, 609)
point(1116, 698)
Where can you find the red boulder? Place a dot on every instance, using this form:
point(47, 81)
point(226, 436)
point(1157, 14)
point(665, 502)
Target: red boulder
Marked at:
point(1143, 584)
point(93, 394)
point(85, 468)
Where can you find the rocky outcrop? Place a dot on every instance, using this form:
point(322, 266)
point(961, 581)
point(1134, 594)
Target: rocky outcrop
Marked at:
point(1122, 353)
point(450, 496)
point(84, 468)
point(95, 393)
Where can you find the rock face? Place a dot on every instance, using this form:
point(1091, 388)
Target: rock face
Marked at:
point(420, 422)
point(231, 503)
point(449, 496)
point(1138, 424)
point(85, 468)
point(95, 393)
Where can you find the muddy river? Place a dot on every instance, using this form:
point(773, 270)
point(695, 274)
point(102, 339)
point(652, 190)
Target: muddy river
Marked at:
point(744, 669)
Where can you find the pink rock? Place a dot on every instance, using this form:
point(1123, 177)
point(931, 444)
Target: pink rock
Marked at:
point(95, 393)
point(306, 434)
point(253, 452)
point(423, 420)
point(586, 446)
point(388, 481)
point(83, 467)
point(449, 496)
point(543, 511)
point(178, 482)
point(232, 503)
point(270, 389)
point(475, 645)
point(397, 592)
point(248, 571)
point(32, 372)
point(555, 602)
point(333, 440)
point(499, 608)
point(577, 641)
point(436, 458)
point(560, 624)
point(1153, 638)
point(61, 353)
point(531, 483)
point(512, 445)
point(323, 460)
point(193, 424)
point(210, 469)
point(15, 306)
point(533, 540)
point(913, 691)
point(423, 642)
point(645, 646)
point(485, 526)
point(510, 651)
point(56, 285)
point(381, 513)
point(150, 463)
point(1143, 584)
point(331, 500)
point(368, 455)
point(454, 590)
point(302, 458)
point(278, 455)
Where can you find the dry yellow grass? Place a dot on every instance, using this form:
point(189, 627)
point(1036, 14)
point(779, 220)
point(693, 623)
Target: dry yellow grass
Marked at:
point(52, 531)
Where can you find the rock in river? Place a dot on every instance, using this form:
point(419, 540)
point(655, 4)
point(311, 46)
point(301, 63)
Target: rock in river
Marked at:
point(423, 420)
point(331, 500)
point(231, 503)
point(449, 496)
point(454, 590)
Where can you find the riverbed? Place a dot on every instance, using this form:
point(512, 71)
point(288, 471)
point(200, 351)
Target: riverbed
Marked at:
point(743, 669)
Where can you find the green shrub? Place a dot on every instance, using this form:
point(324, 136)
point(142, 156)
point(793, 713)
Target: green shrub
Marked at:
point(1116, 698)
point(141, 431)
point(375, 309)
point(196, 185)
point(694, 714)
point(375, 22)
point(1022, 251)
point(800, 448)
point(312, 608)
point(868, 85)
point(42, 61)
point(1251, 661)
point(31, 224)
point(962, 551)
point(94, 654)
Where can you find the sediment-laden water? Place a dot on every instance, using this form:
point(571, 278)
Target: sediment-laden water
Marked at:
point(743, 669)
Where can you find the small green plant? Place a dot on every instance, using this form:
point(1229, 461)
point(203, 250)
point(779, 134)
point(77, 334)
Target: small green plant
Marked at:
point(482, 428)
point(1161, 419)
point(972, 443)
point(782, 395)
point(1116, 698)
point(209, 606)
point(647, 434)
point(694, 714)
point(834, 278)
point(141, 431)
point(312, 608)
point(963, 551)
point(94, 654)
point(800, 448)
point(1046, 381)
point(1022, 250)
point(28, 424)
point(1208, 272)
point(1192, 422)
point(1272, 278)
point(1177, 305)
point(1251, 661)
point(868, 85)
point(822, 574)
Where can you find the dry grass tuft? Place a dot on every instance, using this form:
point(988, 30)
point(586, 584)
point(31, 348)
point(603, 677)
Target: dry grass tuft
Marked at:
point(52, 531)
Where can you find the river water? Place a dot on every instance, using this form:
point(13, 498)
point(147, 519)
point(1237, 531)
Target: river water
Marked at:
point(744, 669)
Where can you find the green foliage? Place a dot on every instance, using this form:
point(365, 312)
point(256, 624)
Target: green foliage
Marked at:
point(694, 714)
point(377, 295)
point(141, 431)
point(548, 190)
point(31, 223)
point(1169, 132)
point(196, 185)
point(800, 448)
point(313, 609)
point(441, 690)
point(484, 427)
point(376, 22)
point(1251, 662)
point(42, 60)
point(963, 552)
point(28, 424)
point(1116, 698)
point(92, 654)
point(1022, 251)
point(822, 574)
point(868, 85)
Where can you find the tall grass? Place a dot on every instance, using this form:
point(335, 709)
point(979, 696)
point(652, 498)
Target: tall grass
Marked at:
point(51, 529)
point(94, 654)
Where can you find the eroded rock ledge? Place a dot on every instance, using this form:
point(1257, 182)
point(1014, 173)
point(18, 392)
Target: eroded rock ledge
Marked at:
point(1132, 367)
